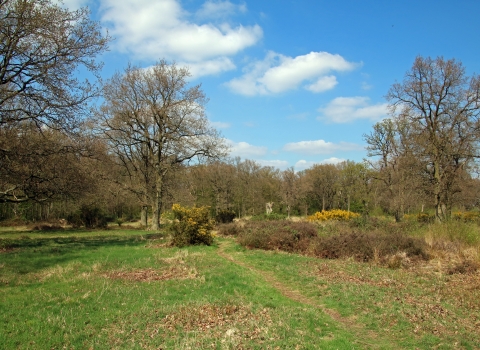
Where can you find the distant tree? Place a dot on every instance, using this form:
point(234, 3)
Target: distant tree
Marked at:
point(154, 122)
point(395, 166)
point(441, 105)
point(290, 184)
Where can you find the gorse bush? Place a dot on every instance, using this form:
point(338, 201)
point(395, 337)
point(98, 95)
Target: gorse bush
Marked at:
point(334, 214)
point(467, 216)
point(191, 226)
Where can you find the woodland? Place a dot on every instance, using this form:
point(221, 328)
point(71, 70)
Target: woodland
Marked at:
point(132, 146)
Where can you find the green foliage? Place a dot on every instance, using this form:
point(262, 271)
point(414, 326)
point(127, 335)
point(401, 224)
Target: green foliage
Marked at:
point(191, 226)
point(225, 216)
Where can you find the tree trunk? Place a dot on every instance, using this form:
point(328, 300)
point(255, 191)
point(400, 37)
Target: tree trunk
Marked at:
point(156, 215)
point(144, 216)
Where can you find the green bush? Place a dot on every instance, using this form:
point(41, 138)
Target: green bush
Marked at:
point(191, 226)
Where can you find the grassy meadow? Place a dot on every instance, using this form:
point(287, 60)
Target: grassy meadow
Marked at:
point(128, 289)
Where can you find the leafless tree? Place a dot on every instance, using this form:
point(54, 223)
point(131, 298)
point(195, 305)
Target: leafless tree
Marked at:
point(155, 121)
point(42, 47)
point(442, 106)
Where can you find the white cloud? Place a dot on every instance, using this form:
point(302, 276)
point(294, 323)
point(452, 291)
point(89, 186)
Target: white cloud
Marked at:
point(303, 164)
point(220, 125)
point(278, 73)
point(320, 147)
point(219, 10)
point(209, 67)
point(245, 150)
point(348, 109)
point(280, 164)
point(323, 84)
point(153, 29)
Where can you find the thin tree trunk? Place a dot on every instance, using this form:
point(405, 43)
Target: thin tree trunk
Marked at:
point(144, 216)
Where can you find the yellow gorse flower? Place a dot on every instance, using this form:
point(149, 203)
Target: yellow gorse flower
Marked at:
point(334, 214)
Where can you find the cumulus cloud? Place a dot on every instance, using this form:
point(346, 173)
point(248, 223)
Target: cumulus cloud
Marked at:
point(348, 109)
point(303, 164)
point(280, 164)
point(323, 84)
point(209, 67)
point(219, 10)
point(278, 73)
point(320, 147)
point(245, 150)
point(153, 29)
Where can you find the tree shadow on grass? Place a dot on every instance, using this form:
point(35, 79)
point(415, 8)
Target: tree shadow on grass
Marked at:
point(24, 255)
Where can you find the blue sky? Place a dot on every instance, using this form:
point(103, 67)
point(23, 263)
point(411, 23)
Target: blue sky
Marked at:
point(290, 83)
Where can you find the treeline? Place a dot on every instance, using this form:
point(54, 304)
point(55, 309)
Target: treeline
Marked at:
point(148, 143)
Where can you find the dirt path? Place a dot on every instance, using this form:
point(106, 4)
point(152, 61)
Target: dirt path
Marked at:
point(295, 295)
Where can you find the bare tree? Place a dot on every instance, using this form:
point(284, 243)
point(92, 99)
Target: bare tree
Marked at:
point(395, 165)
point(154, 121)
point(42, 47)
point(442, 106)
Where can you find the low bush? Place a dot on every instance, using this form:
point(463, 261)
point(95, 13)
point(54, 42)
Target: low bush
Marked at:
point(370, 246)
point(268, 217)
point(283, 235)
point(231, 229)
point(89, 216)
point(465, 267)
point(191, 226)
point(225, 216)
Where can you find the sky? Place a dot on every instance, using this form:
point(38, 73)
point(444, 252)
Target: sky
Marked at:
point(290, 83)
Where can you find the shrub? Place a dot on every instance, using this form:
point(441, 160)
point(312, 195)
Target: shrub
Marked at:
point(191, 226)
point(231, 229)
point(269, 217)
point(88, 216)
point(225, 216)
point(283, 235)
point(467, 216)
point(335, 214)
point(369, 246)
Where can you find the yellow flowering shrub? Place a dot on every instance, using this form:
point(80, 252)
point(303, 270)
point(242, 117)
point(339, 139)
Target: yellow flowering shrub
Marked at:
point(334, 214)
point(191, 226)
point(467, 216)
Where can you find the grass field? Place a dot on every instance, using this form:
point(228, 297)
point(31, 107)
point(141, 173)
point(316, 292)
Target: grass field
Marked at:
point(125, 289)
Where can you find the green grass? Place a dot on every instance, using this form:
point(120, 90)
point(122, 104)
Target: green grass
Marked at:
point(127, 290)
